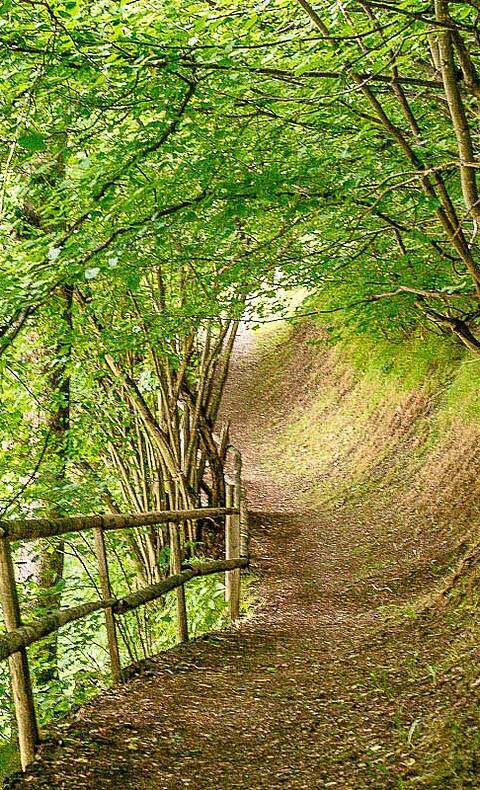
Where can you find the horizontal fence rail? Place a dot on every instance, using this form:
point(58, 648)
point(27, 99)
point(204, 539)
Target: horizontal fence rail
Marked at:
point(28, 634)
point(19, 636)
point(34, 528)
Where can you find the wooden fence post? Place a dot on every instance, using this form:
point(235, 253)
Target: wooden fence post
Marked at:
point(106, 590)
point(19, 670)
point(232, 551)
point(176, 567)
point(228, 530)
point(244, 528)
point(240, 503)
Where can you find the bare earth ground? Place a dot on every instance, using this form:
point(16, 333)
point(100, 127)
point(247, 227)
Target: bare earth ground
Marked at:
point(313, 691)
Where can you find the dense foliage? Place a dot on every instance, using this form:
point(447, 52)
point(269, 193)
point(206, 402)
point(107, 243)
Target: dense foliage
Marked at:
point(166, 168)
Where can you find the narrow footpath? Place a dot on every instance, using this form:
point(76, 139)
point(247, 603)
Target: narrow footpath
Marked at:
point(298, 696)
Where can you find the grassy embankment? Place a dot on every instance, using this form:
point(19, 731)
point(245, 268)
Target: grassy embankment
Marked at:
point(388, 434)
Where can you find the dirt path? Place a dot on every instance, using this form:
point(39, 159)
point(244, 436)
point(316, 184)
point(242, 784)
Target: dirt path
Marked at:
point(303, 695)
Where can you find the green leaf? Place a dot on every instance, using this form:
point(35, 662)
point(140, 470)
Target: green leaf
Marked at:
point(34, 141)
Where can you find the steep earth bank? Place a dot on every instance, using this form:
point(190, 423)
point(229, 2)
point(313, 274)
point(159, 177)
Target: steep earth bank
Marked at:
point(389, 456)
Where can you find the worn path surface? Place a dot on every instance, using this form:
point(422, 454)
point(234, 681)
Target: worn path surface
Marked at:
point(299, 696)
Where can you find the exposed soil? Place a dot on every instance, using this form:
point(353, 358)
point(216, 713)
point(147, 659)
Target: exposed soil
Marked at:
point(316, 690)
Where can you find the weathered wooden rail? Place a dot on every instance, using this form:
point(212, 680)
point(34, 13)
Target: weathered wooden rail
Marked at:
point(14, 644)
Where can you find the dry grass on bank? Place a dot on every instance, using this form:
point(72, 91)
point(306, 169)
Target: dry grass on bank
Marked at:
point(400, 456)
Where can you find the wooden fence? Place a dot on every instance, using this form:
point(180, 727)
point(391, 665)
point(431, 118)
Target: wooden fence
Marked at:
point(13, 645)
